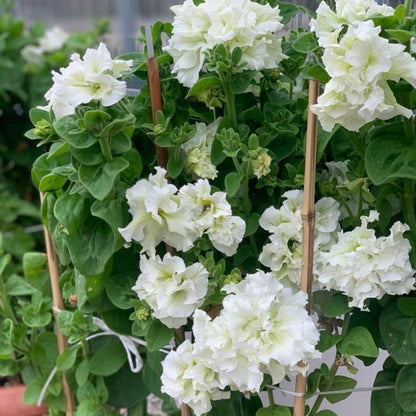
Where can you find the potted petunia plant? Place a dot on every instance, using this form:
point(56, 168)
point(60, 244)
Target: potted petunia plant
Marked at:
point(190, 263)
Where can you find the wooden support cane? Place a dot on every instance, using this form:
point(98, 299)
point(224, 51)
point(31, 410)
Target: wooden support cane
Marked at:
point(155, 94)
point(161, 152)
point(308, 222)
point(58, 304)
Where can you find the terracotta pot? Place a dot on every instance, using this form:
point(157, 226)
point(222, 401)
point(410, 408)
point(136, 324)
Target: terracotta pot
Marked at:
point(11, 403)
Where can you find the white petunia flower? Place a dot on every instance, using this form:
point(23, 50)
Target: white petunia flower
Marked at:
point(226, 233)
point(188, 380)
point(158, 215)
point(198, 151)
point(214, 216)
point(233, 23)
point(53, 39)
point(263, 328)
point(363, 266)
point(328, 24)
point(92, 78)
point(172, 290)
point(360, 65)
point(283, 255)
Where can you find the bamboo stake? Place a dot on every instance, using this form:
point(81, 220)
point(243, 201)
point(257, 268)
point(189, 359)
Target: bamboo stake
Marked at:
point(155, 94)
point(161, 152)
point(58, 304)
point(308, 221)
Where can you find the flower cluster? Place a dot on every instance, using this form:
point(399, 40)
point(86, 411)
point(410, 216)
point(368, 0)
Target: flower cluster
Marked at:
point(198, 150)
point(283, 255)
point(52, 40)
point(161, 212)
point(240, 24)
point(263, 328)
point(94, 77)
point(364, 266)
point(172, 290)
point(360, 65)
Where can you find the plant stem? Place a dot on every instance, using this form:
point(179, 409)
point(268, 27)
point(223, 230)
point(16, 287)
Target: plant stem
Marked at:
point(105, 144)
point(229, 100)
point(332, 372)
point(5, 303)
point(271, 398)
point(407, 7)
point(409, 204)
point(355, 142)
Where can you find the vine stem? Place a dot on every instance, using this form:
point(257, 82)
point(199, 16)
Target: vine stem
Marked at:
point(5, 303)
point(328, 384)
point(408, 204)
point(230, 100)
point(407, 7)
point(105, 144)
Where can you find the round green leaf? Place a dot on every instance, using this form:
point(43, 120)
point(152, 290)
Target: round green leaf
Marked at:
point(158, 335)
point(406, 388)
point(407, 306)
point(71, 210)
point(388, 156)
point(358, 341)
point(100, 180)
point(67, 358)
point(398, 332)
point(108, 360)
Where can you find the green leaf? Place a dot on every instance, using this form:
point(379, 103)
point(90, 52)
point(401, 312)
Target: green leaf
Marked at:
point(71, 210)
point(318, 72)
point(91, 246)
point(337, 305)
point(36, 115)
point(241, 81)
point(276, 411)
point(100, 180)
point(51, 182)
point(288, 11)
point(33, 390)
point(305, 43)
point(340, 383)
point(95, 119)
point(252, 224)
point(118, 288)
point(402, 36)
point(44, 350)
point(398, 332)
point(118, 320)
point(407, 306)
point(204, 83)
point(91, 156)
point(327, 341)
point(232, 183)
point(406, 388)
point(126, 389)
point(101, 365)
point(158, 335)
point(43, 167)
point(82, 372)
point(388, 157)
point(17, 286)
point(115, 213)
point(175, 167)
point(67, 128)
point(358, 341)
point(67, 358)
point(383, 402)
